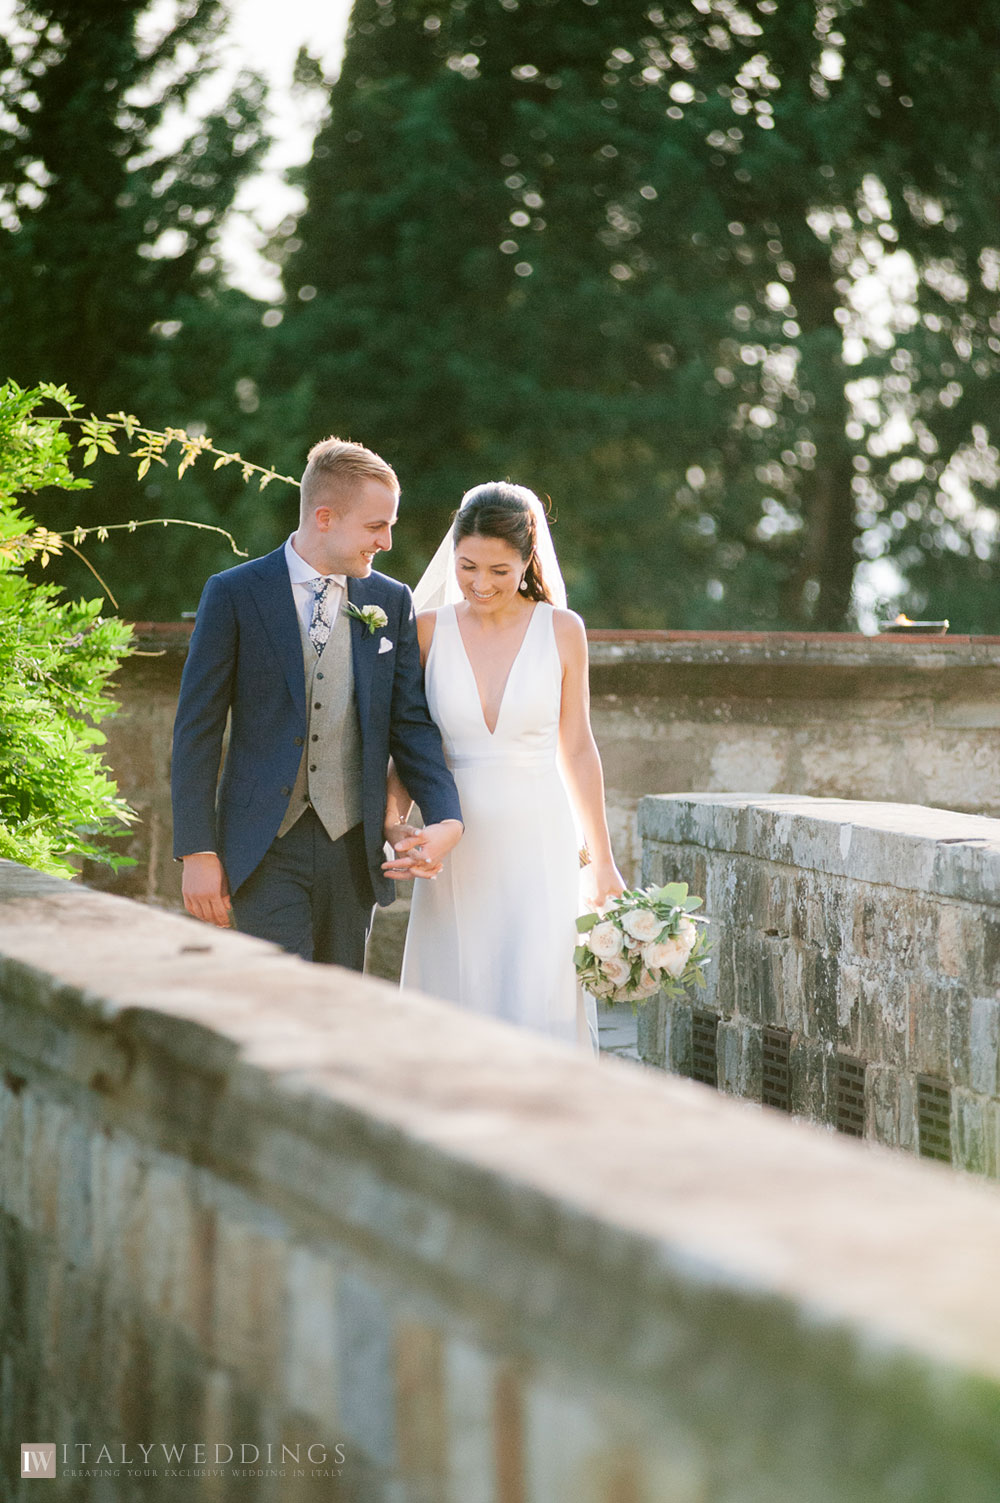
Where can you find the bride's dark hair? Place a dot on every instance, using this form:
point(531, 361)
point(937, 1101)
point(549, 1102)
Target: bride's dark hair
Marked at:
point(501, 510)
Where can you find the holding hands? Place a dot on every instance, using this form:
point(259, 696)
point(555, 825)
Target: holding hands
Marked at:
point(420, 852)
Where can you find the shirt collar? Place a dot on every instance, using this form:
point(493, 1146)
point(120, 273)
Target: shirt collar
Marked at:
point(302, 573)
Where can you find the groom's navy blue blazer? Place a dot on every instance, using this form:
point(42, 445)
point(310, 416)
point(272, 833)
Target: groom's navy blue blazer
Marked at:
point(245, 659)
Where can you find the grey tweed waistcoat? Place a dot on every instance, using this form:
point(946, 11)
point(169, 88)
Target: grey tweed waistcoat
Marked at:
point(329, 775)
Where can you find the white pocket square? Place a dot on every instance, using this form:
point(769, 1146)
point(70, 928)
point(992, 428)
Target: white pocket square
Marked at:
point(384, 646)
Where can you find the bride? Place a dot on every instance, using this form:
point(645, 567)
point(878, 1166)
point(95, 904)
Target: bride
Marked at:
point(506, 680)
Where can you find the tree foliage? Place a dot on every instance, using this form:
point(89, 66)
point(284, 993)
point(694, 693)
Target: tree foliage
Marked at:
point(717, 277)
point(113, 194)
point(720, 278)
point(57, 800)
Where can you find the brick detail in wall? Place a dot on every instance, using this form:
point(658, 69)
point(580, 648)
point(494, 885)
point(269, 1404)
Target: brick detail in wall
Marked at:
point(934, 1119)
point(850, 1098)
point(704, 1056)
point(775, 1084)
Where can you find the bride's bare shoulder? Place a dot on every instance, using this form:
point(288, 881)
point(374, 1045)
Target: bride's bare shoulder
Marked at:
point(571, 637)
point(568, 626)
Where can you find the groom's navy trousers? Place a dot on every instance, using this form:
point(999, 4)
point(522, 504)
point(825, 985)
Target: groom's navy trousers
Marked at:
point(245, 665)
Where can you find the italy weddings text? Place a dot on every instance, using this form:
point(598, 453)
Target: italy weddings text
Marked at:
point(199, 1453)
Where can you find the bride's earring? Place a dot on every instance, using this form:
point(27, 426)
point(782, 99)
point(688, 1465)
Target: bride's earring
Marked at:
point(524, 584)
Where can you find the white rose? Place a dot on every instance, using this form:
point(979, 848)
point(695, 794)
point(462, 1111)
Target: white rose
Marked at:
point(642, 924)
point(600, 988)
point(687, 934)
point(647, 985)
point(604, 941)
point(616, 969)
point(674, 957)
point(657, 954)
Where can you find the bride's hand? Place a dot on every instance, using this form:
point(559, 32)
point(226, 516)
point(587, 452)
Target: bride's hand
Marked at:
point(421, 853)
point(604, 881)
point(397, 830)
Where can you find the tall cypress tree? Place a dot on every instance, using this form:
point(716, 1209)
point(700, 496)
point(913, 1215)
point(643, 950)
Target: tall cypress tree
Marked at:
point(614, 249)
point(110, 278)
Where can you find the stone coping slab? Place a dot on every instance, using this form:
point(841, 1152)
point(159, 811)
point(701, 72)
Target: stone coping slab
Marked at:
point(659, 1183)
point(608, 646)
point(936, 851)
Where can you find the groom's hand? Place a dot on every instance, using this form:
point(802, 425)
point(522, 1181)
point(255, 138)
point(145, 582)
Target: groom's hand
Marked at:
point(205, 889)
point(421, 853)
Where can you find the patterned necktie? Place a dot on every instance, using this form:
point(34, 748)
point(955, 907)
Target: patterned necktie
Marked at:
point(321, 624)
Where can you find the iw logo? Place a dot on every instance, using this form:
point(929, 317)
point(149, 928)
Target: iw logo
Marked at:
point(38, 1461)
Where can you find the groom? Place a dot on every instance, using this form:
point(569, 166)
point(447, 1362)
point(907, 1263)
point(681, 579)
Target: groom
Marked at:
point(316, 660)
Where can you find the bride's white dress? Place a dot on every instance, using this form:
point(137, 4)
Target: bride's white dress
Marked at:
point(495, 932)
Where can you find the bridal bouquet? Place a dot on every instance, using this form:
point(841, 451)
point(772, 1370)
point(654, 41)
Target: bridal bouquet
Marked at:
point(643, 942)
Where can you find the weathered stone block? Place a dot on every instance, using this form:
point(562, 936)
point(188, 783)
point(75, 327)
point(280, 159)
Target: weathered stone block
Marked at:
point(485, 1449)
point(968, 1130)
point(963, 934)
point(651, 1032)
point(421, 1424)
point(884, 1019)
point(310, 1342)
point(884, 1104)
point(982, 930)
point(172, 1277)
point(807, 1073)
point(248, 1297)
point(848, 1005)
point(909, 1136)
point(929, 1025)
point(562, 1438)
point(365, 1357)
point(13, 1160)
point(677, 1035)
point(984, 1045)
point(738, 1045)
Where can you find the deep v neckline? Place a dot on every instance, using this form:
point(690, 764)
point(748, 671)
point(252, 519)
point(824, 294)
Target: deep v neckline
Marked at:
point(510, 670)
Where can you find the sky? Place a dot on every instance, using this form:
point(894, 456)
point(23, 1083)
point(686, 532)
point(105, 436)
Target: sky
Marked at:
point(264, 35)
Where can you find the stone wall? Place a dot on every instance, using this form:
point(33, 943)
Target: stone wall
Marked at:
point(856, 968)
point(844, 716)
point(246, 1202)
point(914, 720)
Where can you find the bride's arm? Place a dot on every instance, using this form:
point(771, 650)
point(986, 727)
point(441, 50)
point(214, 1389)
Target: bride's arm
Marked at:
point(398, 805)
point(580, 759)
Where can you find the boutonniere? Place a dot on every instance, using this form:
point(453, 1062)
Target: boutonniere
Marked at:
point(372, 617)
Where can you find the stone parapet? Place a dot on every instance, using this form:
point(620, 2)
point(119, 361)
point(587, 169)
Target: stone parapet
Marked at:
point(914, 720)
point(249, 1202)
point(857, 960)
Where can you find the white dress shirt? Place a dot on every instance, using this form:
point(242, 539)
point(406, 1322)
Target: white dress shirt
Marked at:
point(302, 575)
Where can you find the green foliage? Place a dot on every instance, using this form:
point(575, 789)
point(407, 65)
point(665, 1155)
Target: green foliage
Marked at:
point(621, 253)
point(110, 272)
point(57, 800)
point(720, 279)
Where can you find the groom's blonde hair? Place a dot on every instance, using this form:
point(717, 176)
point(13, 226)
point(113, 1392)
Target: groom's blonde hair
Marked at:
point(333, 468)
